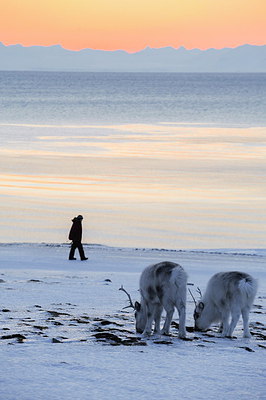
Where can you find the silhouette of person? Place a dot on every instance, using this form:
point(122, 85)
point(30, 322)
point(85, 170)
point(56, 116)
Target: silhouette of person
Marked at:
point(75, 235)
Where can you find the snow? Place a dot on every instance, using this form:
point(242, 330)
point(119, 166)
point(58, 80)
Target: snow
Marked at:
point(59, 306)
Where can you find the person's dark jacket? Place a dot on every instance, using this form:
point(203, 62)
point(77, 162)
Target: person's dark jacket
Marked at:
point(75, 233)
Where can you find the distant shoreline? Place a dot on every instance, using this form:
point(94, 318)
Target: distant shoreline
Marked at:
point(229, 251)
point(241, 59)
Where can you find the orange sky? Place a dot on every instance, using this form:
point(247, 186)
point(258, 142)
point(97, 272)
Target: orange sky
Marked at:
point(133, 24)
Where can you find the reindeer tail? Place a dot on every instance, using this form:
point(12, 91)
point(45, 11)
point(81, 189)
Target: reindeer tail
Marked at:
point(248, 286)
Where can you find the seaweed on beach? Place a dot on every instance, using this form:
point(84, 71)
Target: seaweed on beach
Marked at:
point(59, 324)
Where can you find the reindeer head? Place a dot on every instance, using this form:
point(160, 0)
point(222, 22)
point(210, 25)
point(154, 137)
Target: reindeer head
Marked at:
point(140, 312)
point(140, 317)
point(198, 316)
point(199, 307)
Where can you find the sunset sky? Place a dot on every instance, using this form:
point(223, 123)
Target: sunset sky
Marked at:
point(132, 25)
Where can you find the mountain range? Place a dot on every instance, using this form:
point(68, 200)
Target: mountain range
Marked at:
point(246, 58)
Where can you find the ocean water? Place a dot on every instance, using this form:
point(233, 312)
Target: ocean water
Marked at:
point(150, 160)
point(82, 98)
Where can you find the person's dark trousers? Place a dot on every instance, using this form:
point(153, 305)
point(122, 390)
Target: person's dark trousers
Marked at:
point(74, 246)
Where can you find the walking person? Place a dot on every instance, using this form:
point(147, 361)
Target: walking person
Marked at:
point(75, 235)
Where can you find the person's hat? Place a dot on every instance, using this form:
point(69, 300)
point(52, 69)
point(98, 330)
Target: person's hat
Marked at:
point(79, 217)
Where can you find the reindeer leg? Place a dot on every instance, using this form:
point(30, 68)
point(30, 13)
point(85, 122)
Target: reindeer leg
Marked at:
point(245, 316)
point(235, 317)
point(225, 324)
point(150, 317)
point(157, 318)
point(182, 320)
point(169, 315)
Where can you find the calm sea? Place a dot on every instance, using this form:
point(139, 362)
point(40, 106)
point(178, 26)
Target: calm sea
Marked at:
point(151, 160)
point(81, 98)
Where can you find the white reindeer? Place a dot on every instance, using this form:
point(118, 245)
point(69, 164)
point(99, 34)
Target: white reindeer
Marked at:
point(162, 285)
point(227, 293)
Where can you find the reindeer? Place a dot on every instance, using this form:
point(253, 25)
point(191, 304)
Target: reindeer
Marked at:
point(227, 293)
point(162, 285)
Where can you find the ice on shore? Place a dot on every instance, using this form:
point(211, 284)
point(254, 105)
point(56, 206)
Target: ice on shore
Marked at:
point(64, 333)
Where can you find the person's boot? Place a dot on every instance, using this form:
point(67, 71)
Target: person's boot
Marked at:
point(84, 258)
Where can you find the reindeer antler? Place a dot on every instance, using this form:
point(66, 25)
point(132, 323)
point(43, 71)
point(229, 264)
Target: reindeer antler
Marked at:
point(129, 298)
point(199, 291)
point(192, 297)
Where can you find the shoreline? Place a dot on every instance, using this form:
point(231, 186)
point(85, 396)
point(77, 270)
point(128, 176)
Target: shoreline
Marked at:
point(249, 252)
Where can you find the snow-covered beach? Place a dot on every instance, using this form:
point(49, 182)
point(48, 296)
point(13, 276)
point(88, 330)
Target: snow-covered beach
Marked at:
point(64, 333)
